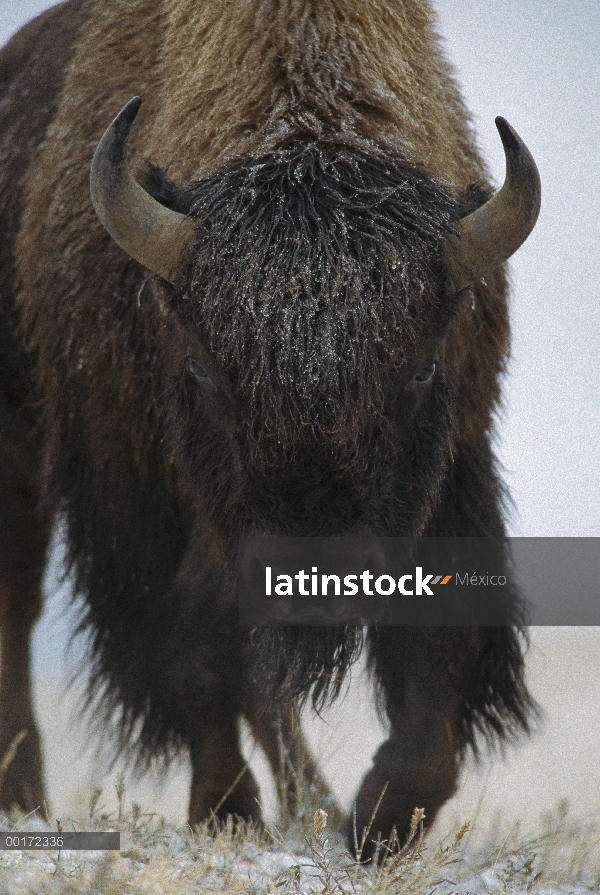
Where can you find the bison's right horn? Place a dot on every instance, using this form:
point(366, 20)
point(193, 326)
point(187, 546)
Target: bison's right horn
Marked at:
point(492, 233)
point(152, 234)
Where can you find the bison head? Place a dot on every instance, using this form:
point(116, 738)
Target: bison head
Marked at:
point(330, 371)
point(324, 289)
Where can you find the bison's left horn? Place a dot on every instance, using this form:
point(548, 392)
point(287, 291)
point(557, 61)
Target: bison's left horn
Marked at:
point(152, 234)
point(495, 231)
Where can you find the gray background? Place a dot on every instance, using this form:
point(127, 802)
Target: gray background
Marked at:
point(537, 64)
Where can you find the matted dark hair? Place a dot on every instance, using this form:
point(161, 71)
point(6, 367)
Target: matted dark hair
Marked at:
point(321, 258)
point(302, 662)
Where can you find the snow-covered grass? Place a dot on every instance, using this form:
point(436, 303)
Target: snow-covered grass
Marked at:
point(233, 858)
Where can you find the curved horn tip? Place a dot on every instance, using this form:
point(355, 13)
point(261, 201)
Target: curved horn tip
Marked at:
point(123, 121)
point(510, 139)
point(521, 160)
point(495, 230)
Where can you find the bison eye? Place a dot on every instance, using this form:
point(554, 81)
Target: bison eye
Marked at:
point(425, 374)
point(198, 371)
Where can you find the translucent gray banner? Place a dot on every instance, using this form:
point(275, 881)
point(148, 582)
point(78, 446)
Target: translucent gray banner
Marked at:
point(50, 840)
point(420, 581)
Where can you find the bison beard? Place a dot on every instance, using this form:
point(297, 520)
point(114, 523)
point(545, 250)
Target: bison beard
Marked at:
point(320, 273)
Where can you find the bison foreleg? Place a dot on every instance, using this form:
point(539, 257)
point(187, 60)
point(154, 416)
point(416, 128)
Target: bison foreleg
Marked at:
point(420, 671)
point(23, 542)
point(300, 784)
point(22, 782)
point(198, 684)
point(222, 783)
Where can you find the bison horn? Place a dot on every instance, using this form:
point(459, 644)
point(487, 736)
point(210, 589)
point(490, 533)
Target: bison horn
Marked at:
point(492, 233)
point(152, 234)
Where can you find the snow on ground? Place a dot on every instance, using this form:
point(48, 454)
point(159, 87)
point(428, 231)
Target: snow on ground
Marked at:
point(159, 859)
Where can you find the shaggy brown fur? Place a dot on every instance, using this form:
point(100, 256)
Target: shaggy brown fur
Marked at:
point(326, 155)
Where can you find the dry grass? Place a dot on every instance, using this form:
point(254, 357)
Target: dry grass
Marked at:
point(159, 859)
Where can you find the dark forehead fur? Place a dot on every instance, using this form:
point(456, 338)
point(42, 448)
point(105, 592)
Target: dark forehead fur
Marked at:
point(316, 268)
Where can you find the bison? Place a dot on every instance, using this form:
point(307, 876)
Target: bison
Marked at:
point(291, 320)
